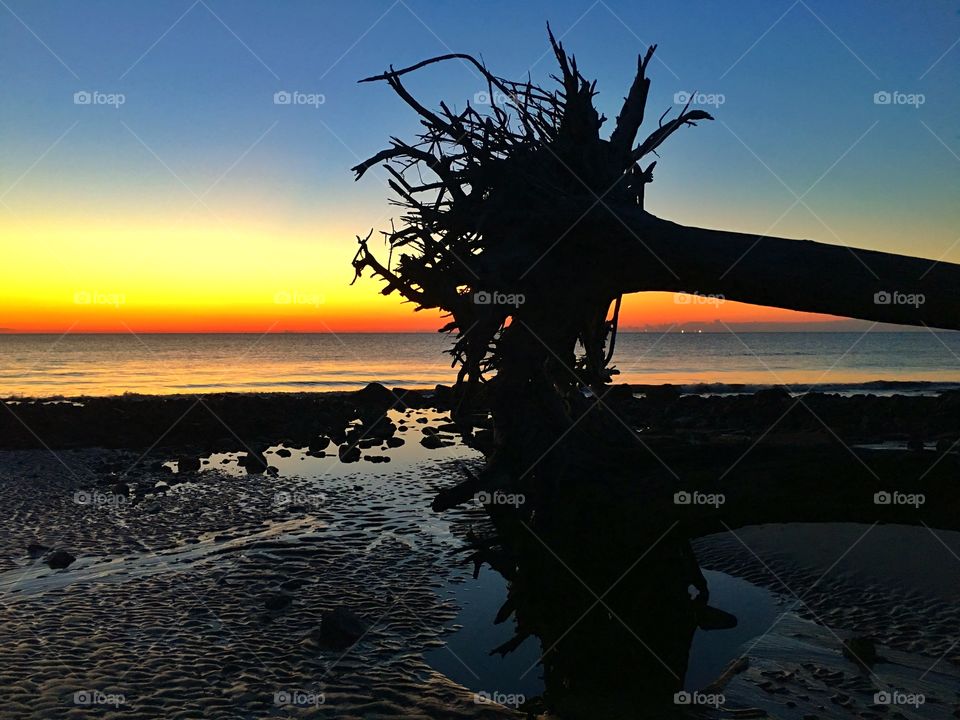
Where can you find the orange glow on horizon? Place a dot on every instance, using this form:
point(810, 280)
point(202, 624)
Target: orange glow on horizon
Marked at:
point(80, 276)
point(660, 311)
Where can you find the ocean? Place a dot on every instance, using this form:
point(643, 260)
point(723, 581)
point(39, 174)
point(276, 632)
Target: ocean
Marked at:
point(73, 365)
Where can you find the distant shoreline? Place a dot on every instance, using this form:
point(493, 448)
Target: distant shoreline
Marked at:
point(871, 387)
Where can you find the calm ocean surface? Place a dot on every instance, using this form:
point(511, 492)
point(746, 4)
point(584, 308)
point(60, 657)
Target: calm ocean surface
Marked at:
point(47, 365)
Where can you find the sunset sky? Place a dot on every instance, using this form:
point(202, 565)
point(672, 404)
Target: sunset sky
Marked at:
point(198, 204)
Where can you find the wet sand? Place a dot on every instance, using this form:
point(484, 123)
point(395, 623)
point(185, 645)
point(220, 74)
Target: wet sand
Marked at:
point(164, 612)
point(843, 583)
point(897, 584)
point(202, 594)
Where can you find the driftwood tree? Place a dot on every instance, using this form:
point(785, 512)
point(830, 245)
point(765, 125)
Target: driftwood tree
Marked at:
point(526, 225)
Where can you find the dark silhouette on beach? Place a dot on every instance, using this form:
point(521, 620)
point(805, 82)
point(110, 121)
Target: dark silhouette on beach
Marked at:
point(527, 227)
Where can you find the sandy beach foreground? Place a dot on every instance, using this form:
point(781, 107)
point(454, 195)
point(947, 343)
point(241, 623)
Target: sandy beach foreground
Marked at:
point(265, 574)
point(206, 598)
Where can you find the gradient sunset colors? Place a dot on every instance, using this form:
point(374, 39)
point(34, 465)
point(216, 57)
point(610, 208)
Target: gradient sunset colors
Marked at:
point(200, 204)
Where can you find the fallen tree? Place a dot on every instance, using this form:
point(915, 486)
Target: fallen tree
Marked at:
point(526, 226)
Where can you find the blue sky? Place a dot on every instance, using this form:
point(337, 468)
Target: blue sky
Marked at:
point(798, 116)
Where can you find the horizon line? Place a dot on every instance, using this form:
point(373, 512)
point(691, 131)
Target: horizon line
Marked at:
point(631, 331)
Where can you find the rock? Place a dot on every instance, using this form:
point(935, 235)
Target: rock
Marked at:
point(319, 444)
point(431, 442)
point(772, 396)
point(394, 442)
point(662, 394)
point(443, 395)
point(379, 428)
point(283, 452)
point(188, 464)
point(376, 394)
point(36, 550)
point(59, 559)
point(277, 601)
point(340, 628)
point(862, 650)
point(429, 430)
point(483, 440)
point(348, 453)
point(161, 487)
point(254, 463)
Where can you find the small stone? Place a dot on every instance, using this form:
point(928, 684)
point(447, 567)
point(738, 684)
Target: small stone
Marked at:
point(59, 559)
point(319, 444)
point(277, 601)
point(36, 550)
point(431, 442)
point(348, 453)
point(341, 628)
point(254, 463)
point(188, 464)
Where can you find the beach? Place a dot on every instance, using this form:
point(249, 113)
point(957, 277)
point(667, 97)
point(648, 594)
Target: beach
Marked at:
point(202, 582)
point(203, 593)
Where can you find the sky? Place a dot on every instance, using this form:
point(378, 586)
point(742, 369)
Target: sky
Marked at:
point(150, 182)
